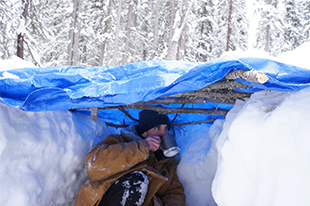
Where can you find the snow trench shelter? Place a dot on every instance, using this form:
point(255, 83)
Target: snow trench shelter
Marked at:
point(190, 93)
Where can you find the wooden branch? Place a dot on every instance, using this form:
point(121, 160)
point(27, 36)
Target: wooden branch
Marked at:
point(116, 125)
point(165, 110)
point(252, 76)
point(94, 113)
point(190, 99)
point(220, 92)
point(218, 97)
point(229, 84)
point(176, 115)
point(191, 123)
point(33, 59)
point(174, 124)
point(127, 114)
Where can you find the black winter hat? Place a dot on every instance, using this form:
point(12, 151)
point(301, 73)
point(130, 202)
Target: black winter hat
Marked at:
point(149, 119)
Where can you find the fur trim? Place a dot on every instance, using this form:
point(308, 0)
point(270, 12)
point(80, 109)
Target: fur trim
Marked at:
point(130, 133)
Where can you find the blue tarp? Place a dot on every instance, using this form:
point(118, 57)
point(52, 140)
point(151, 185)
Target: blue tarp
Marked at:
point(67, 87)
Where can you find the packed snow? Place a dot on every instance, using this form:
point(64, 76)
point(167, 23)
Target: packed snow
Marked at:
point(258, 155)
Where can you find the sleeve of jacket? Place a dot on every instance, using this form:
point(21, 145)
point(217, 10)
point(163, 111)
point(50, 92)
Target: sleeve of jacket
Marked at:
point(175, 193)
point(112, 156)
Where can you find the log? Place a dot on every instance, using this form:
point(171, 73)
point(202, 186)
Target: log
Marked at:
point(188, 100)
point(252, 76)
point(229, 84)
point(216, 96)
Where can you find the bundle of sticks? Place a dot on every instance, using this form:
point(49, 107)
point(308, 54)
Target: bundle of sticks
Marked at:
point(221, 92)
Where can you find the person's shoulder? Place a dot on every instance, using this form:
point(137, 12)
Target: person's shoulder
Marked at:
point(130, 133)
point(116, 136)
point(112, 139)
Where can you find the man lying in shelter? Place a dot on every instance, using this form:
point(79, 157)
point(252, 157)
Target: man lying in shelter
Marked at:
point(130, 168)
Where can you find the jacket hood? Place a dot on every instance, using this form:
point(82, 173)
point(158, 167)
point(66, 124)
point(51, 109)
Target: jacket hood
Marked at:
point(130, 133)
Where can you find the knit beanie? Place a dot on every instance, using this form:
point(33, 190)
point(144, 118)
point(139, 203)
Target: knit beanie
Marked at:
point(149, 119)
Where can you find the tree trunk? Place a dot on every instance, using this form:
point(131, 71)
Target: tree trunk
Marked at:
point(128, 32)
point(171, 32)
point(267, 37)
point(107, 26)
point(20, 46)
point(156, 28)
point(118, 22)
point(20, 36)
point(229, 25)
point(75, 34)
point(177, 30)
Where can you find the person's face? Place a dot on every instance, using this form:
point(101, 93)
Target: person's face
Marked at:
point(160, 130)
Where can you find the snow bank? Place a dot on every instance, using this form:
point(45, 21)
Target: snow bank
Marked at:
point(15, 63)
point(42, 155)
point(298, 57)
point(198, 163)
point(264, 152)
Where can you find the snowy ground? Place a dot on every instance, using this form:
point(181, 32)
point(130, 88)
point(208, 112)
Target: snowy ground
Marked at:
point(262, 151)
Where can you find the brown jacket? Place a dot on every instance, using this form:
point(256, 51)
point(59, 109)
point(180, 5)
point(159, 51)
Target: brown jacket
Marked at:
point(122, 154)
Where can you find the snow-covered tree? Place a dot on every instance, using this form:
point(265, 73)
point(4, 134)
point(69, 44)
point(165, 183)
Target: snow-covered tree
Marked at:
point(306, 20)
point(293, 23)
point(75, 30)
point(48, 30)
point(232, 31)
point(181, 12)
point(270, 31)
point(10, 12)
point(201, 36)
point(106, 32)
point(96, 37)
point(21, 34)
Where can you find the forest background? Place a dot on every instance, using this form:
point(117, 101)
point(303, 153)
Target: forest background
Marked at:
point(115, 32)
